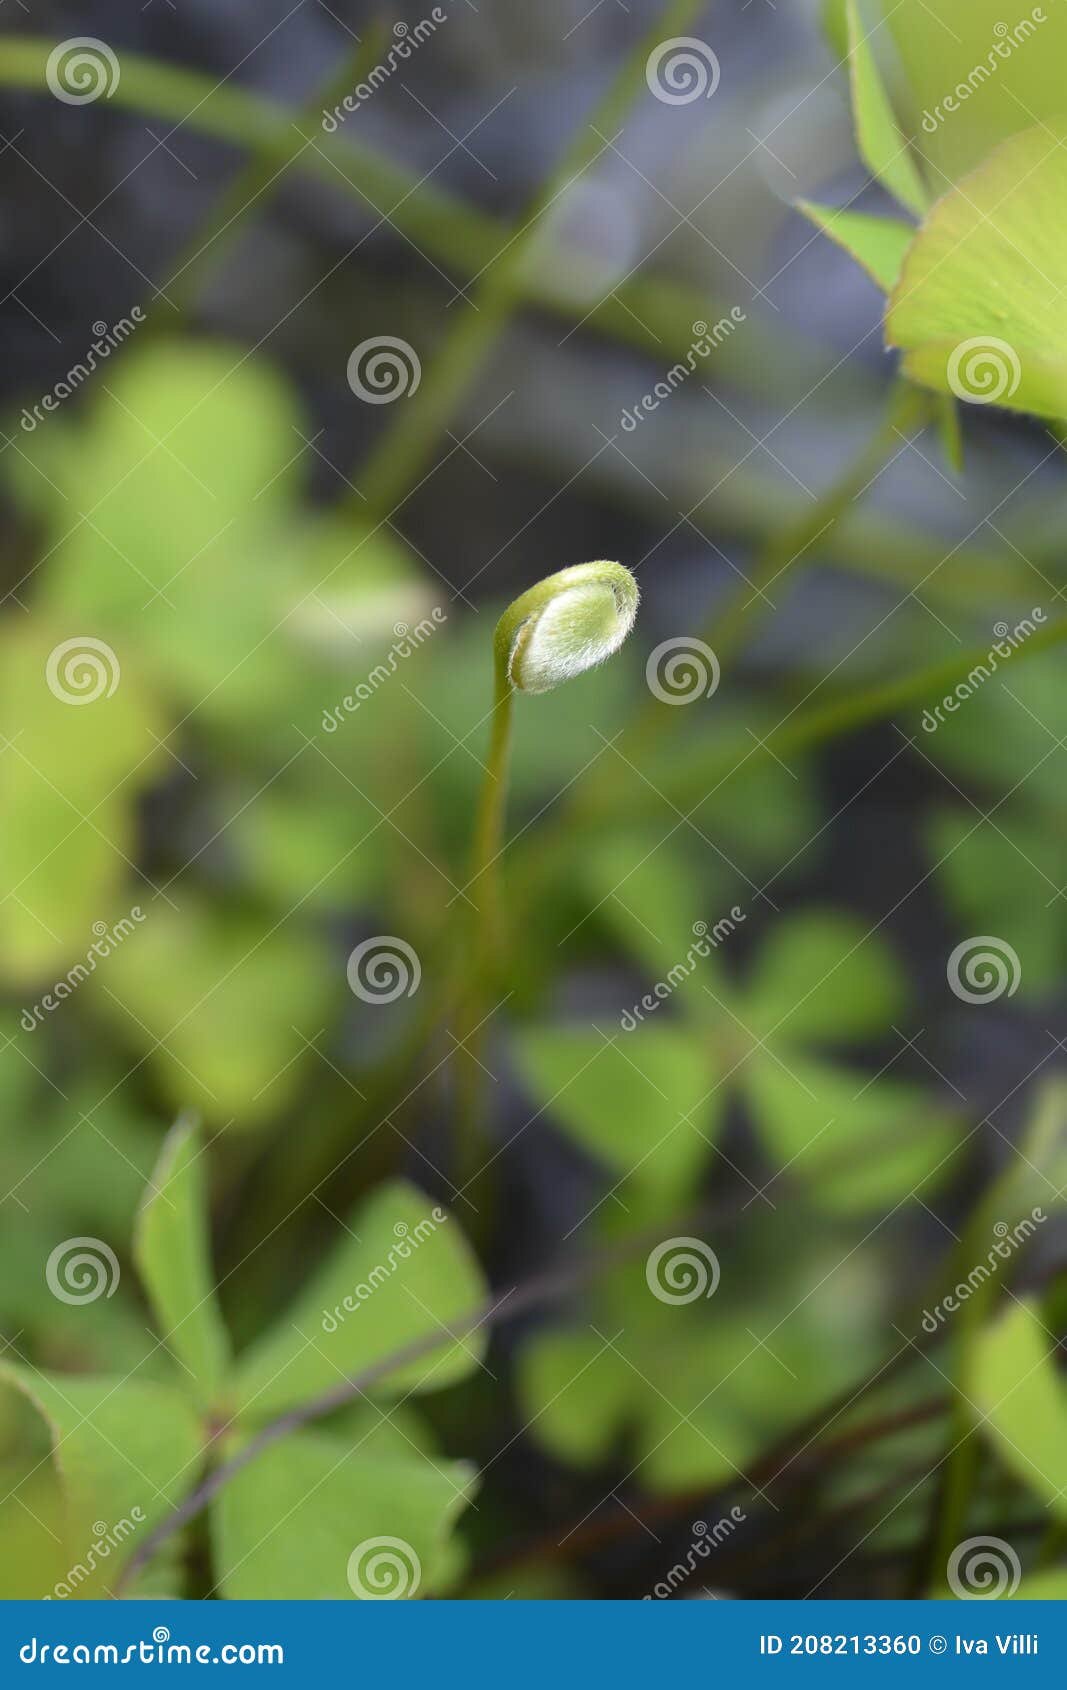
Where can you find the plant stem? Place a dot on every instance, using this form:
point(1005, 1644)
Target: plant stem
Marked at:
point(489, 825)
point(495, 1312)
point(626, 1521)
point(749, 503)
point(688, 784)
point(484, 953)
point(418, 426)
point(539, 857)
point(653, 315)
point(259, 178)
point(907, 411)
point(962, 1462)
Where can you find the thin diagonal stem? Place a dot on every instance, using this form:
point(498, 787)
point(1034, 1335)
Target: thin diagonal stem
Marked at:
point(907, 410)
point(405, 448)
point(653, 315)
point(484, 952)
point(498, 1309)
point(263, 172)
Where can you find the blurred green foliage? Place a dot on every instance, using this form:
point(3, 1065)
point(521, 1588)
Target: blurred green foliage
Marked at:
point(240, 733)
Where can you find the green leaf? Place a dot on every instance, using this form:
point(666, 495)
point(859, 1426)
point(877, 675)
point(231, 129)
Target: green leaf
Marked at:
point(1004, 724)
point(1017, 1390)
point(1041, 1172)
point(686, 1395)
point(976, 859)
point(390, 1431)
point(367, 588)
point(187, 467)
point(33, 1552)
point(579, 1394)
point(884, 150)
point(218, 1003)
point(1050, 1586)
point(173, 1258)
point(877, 243)
point(652, 1395)
point(656, 900)
point(977, 311)
point(402, 1272)
point(823, 975)
point(295, 843)
point(858, 1144)
point(312, 1519)
point(748, 820)
point(125, 1452)
point(70, 776)
point(643, 1102)
point(974, 74)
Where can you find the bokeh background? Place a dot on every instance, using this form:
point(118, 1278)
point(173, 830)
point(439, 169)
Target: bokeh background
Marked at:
point(247, 530)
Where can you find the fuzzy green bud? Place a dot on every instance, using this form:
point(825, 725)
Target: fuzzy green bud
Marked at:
point(566, 624)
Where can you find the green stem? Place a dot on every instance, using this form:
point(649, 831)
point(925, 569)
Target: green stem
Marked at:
point(560, 626)
point(485, 944)
point(872, 703)
point(539, 856)
point(750, 503)
point(654, 314)
point(908, 410)
point(489, 826)
point(405, 448)
point(499, 1309)
point(962, 1465)
point(259, 178)
point(686, 783)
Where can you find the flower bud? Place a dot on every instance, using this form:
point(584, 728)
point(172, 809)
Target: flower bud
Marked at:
point(566, 624)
